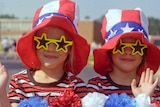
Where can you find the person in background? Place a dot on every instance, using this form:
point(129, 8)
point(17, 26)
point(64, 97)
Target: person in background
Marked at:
point(13, 49)
point(6, 46)
point(54, 54)
point(126, 56)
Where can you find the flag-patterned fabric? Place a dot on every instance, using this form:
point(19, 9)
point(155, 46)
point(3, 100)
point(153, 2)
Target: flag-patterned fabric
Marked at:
point(58, 8)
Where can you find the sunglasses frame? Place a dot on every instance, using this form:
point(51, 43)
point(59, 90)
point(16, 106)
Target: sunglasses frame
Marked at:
point(133, 46)
point(61, 44)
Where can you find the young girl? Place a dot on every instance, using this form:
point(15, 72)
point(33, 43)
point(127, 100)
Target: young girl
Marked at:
point(126, 53)
point(53, 54)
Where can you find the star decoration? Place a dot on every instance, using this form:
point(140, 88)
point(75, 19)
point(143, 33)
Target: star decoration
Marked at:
point(119, 48)
point(139, 30)
point(62, 44)
point(42, 42)
point(142, 31)
point(39, 21)
point(137, 47)
point(112, 34)
point(127, 28)
point(124, 27)
point(42, 18)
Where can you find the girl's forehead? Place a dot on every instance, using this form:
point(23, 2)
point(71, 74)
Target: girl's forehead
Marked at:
point(52, 32)
point(128, 40)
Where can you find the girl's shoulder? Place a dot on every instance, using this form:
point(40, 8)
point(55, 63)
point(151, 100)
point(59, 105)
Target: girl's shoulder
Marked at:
point(98, 78)
point(21, 73)
point(73, 77)
point(20, 76)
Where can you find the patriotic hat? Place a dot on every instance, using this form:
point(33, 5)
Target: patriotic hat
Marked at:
point(124, 23)
point(58, 13)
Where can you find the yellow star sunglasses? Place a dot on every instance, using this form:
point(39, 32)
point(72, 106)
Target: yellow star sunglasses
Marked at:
point(137, 47)
point(61, 44)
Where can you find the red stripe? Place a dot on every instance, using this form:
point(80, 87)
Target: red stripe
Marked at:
point(36, 16)
point(131, 15)
point(103, 30)
point(66, 8)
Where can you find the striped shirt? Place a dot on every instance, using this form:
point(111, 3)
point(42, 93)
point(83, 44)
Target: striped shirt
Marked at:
point(105, 85)
point(22, 85)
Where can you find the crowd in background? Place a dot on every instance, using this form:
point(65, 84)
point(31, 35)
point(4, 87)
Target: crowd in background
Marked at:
point(8, 47)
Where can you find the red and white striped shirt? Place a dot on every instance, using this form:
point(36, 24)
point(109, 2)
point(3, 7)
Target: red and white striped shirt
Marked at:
point(22, 86)
point(105, 85)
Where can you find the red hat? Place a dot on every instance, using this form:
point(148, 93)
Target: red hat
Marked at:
point(58, 13)
point(124, 23)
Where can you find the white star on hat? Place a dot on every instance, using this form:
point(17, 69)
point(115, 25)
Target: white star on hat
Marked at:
point(127, 28)
point(112, 34)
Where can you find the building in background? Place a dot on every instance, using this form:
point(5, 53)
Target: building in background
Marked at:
point(14, 28)
point(155, 40)
point(90, 30)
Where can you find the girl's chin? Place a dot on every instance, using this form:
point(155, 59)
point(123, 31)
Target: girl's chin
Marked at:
point(48, 65)
point(127, 69)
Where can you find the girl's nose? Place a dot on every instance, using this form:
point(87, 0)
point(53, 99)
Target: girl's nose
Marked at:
point(128, 51)
point(51, 47)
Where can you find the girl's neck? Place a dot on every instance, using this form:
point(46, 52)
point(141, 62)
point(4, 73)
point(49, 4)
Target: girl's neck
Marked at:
point(123, 78)
point(48, 75)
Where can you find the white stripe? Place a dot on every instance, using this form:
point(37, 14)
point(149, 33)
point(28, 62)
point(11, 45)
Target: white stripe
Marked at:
point(155, 98)
point(50, 7)
point(25, 94)
point(69, 74)
point(37, 93)
point(21, 72)
point(113, 18)
point(74, 81)
point(92, 86)
point(144, 21)
point(10, 86)
point(63, 85)
point(23, 81)
point(158, 98)
point(102, 77)
point(109, 87)
point(106, 87)
point(76, 16)
point(48, 93)
point(67, 85)
point(14, 98)
point(80, 85)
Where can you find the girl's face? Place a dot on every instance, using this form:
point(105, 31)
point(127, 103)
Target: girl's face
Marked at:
point(53, 46)
point(128, 55)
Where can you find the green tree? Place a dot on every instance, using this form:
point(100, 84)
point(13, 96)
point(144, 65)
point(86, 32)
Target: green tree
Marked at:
point(8, 16)
point(154, 26)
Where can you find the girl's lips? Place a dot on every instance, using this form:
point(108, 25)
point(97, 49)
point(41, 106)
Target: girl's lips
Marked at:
point(127, 59)
point(50, 56)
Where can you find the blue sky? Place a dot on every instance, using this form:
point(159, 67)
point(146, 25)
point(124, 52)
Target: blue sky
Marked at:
point(92, 8)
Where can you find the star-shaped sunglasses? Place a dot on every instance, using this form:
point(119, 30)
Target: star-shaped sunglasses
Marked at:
point(137, 47)
point(61, 44)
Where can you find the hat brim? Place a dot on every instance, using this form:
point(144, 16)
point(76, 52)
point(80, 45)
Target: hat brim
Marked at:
point(27, 52)
point(102, 62)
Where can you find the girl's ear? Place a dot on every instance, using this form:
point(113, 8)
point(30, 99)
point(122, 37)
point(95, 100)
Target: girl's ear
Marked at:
point(70, 49)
